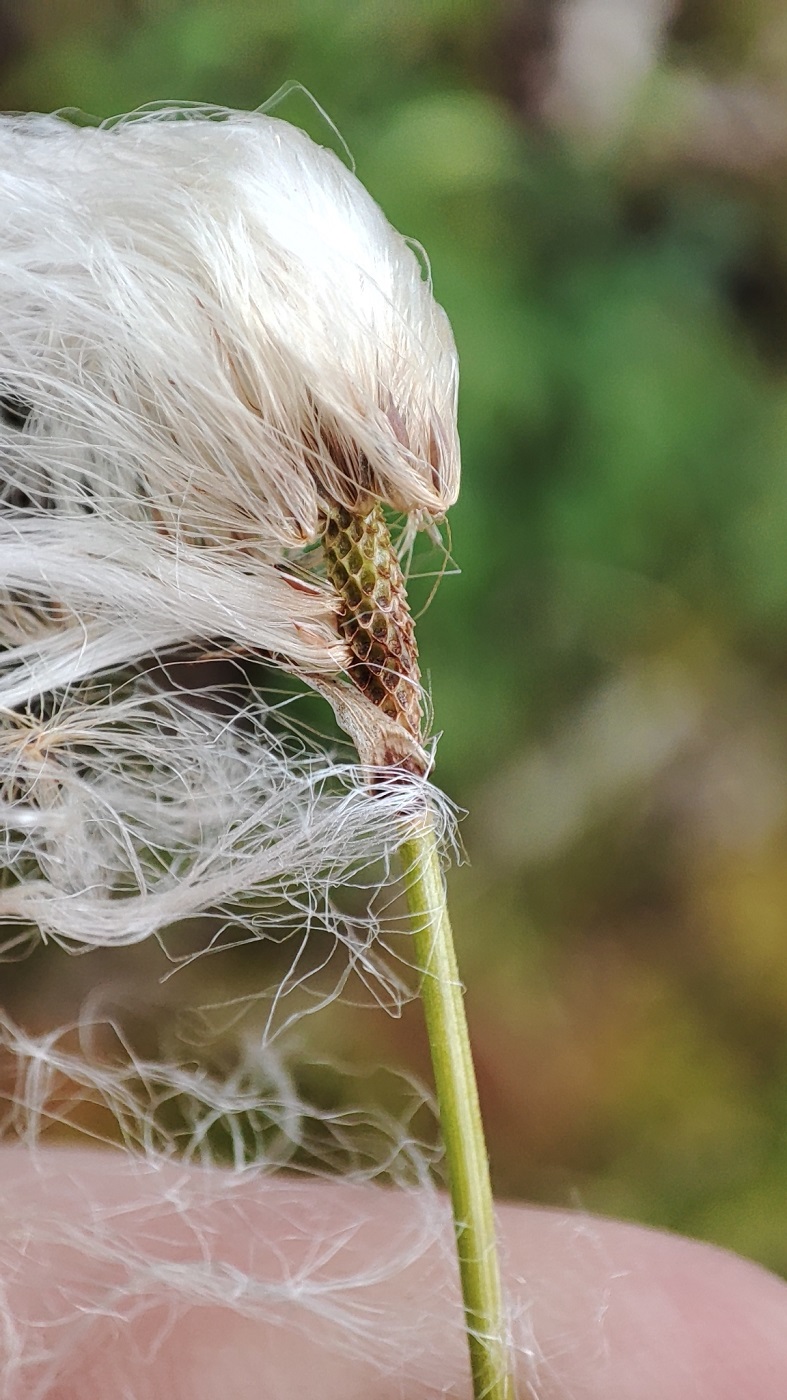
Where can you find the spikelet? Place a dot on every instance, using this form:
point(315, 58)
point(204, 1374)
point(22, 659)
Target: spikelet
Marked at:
point(374, 617)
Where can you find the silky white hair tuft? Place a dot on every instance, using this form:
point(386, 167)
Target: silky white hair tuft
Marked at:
point(213, 316)
point(211, 337)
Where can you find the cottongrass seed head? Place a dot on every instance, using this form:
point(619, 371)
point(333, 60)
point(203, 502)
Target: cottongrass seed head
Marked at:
point(212, 342)
point(213, 345)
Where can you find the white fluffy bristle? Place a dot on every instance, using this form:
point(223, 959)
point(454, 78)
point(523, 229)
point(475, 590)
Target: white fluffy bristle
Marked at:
point(215, 313)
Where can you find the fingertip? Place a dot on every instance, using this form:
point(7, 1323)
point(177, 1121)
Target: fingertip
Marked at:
point(618, 1310)
point(168, 1281)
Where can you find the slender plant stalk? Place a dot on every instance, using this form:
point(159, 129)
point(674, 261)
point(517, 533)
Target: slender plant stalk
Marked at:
point(376, 624)
point(460, 1115)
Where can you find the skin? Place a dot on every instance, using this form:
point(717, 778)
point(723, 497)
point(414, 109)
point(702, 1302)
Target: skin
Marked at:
point(602, 1309)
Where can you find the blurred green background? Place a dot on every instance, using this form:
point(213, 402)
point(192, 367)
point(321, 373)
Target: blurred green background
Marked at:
point(602, 190)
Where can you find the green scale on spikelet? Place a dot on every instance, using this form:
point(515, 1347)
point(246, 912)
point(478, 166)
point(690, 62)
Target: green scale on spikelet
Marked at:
point(375, 620)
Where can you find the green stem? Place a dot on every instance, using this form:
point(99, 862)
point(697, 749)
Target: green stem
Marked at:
point(460, 1115)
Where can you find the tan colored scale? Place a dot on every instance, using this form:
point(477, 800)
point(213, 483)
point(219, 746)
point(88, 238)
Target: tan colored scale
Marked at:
point(375, 620)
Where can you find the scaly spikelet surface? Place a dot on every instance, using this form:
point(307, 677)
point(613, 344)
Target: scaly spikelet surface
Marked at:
point(375, 620)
